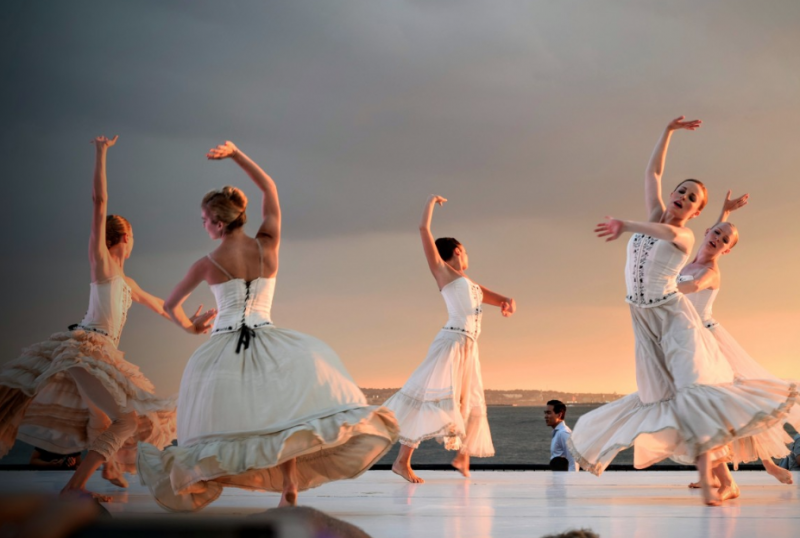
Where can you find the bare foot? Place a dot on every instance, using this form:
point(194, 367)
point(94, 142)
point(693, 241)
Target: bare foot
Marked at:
point(112, 474)
point(406, 472)
point(730, 491)
point(780, 474)
point(714, 484)
point(461, 462)
point(710, 495)
point(84, 494)
point(289, 498)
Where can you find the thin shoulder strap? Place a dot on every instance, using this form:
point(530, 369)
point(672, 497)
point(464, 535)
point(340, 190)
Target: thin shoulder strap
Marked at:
point(212, 260)
point(260, 259)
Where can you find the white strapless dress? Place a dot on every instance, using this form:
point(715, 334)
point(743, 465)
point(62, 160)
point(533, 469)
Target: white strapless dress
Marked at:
point(772, 442)
point(254, 396)
point(41, 405)
point(443, 398)
point(689, 401)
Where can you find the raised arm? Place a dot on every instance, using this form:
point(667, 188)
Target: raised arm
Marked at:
point(728, 206)
point(655, 168)
point(612, 228)
point(270, 230)
point(442, 273)
point(173, 306)
point(507, 305)
point(98, 252)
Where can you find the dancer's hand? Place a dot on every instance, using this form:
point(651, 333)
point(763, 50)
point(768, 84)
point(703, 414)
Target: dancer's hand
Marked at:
point(737, 203)
point(679, 123)
point(508, 307)
point(612, 228)
point(436, 199)
point(202, 322)
point(223, 151)
point(103, 143)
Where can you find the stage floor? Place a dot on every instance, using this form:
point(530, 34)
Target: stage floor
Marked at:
point(502, 504)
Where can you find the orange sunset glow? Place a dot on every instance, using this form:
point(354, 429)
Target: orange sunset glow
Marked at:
point(535, 120)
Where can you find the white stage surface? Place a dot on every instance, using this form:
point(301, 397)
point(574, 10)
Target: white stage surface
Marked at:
point(503, 504)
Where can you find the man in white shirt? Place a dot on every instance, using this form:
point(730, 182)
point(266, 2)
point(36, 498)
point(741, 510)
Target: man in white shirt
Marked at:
point(560, 457)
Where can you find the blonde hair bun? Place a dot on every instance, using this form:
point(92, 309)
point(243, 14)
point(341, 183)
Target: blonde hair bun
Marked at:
point(227, 205)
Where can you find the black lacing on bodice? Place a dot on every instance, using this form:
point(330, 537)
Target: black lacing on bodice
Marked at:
point(246, 333)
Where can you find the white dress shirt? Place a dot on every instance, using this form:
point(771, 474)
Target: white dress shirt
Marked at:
point(558, 446)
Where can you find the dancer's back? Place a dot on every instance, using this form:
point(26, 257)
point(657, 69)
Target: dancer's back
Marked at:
point(109, 302)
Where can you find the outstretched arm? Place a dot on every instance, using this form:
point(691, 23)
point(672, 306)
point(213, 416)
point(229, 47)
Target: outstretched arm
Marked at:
point(442, 273)
point(655, 168)
point(98, 252)
point(156, 304)
point(679, 236)
point(270, 230)
point(507, 305)
point(173, 306)
point(707, 279)
point(728, 206)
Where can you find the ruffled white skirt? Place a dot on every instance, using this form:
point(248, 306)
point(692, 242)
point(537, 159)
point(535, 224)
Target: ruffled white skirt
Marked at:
point(41, 404)
point(689, 401)
point(772, 442)
point(444, 399)
point(241, 415)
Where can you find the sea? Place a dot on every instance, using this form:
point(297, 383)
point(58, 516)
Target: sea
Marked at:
point(520, 436)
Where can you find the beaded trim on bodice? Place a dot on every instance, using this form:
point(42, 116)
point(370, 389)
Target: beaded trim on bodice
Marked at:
point(650, 283)
point(464, 316)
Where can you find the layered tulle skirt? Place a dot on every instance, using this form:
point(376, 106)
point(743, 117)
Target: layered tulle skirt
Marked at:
point(689, 400)
point(444, 399)
point(41, 404)
point(240, 415)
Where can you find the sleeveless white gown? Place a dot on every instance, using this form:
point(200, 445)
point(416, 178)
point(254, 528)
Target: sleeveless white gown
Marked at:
point(41, 405)
point(443, 398)
point(770, 443)
point(254, 396)
point(688, 401)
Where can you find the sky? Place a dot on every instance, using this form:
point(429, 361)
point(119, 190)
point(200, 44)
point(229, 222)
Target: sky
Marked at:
point(534, 118)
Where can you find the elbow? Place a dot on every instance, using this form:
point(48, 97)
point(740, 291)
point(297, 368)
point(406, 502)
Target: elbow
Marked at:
point(99, 199)
point(169, 309)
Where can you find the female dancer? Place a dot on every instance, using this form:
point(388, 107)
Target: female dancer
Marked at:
point(444, 398)
point(260, 407)
point(688, 406)
point(700, 280)
point(75, 391)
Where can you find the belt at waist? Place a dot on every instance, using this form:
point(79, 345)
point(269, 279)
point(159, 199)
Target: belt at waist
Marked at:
point(246, 333)
point(460, 330)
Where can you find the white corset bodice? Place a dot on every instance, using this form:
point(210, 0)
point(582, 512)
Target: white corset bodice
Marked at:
point(109, 302)
point(703, 301)
point(463, 299)
point(243, 304)
point(651, 271)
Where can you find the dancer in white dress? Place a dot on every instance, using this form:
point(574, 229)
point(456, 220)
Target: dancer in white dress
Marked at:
point(75, 391)
point(260, 407)
point(444, 398)
point(688, 406)
point(700, 280)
